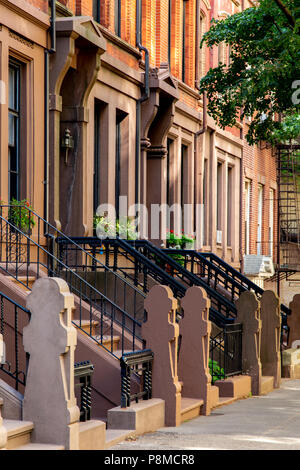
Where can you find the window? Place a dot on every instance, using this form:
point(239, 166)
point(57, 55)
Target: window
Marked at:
point(96, 10)
point(121, 158)
point(97, 147)
point(204, 201)
point(271, 223)
point(219, 196)
point(14, 131)
point(168, 196)
point(169, 33)
point(259, 218)
point(247, 216)
point(118, 17)
point(118, 166)
point(169, 193)
point(183, 39)
point(183, 179)
point(183, 174)
point(229, 205)
point(202, 55)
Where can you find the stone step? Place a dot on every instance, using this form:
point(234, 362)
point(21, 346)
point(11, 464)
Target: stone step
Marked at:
point(110, 343)
point(18, 432)
point(85, 325)
point(114, 436)
point(225, 401)
point(92, 435)
point(37, 446)
point(267, 384)
point(27, 280)
point(238, 386)
point(190, 408)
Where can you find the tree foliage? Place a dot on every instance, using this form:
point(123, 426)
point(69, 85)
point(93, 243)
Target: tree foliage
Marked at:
point(262, 79)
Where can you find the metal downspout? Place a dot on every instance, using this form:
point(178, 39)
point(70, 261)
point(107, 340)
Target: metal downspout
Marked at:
point(204, 114)
point(52, 50)
point(143, 98)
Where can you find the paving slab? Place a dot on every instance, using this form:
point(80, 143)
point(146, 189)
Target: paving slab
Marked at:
point(268, 422)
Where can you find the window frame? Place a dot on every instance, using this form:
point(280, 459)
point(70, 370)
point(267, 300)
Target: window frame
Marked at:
point(117, 11)
point(15, 113)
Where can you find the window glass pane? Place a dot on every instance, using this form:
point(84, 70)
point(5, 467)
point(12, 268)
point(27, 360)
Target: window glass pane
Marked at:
point(11, 130)
point(12, 88)
point(118, 17)
point(13, 161)
point(13, 186)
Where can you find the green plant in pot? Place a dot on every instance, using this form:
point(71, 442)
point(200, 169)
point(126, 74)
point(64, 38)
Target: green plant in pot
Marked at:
point(179, 241)
point(123, 228)
point(20, 215)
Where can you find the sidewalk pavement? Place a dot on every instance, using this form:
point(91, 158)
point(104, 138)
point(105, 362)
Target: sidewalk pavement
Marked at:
point(270, 422)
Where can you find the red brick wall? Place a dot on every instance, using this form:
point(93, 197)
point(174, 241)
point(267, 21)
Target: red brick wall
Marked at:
point(40, 4)
point(84, 7)
point(260, 168)
point(259, 164)
point(161, 36)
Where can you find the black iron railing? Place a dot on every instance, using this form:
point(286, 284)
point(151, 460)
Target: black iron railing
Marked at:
point(225, 352)
point(13, 318)
point(136, 367)
point(115, 308)
point(83, 372)
point(141, 263)
point(220, 275)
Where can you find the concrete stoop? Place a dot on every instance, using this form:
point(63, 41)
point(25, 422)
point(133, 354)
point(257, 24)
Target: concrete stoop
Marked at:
point(145, 416)
point(233, 388)
point(267, 384)
point(290, 367)
point(239, 386)
point(19, 435)
point(190, 408)
point(122, 423)
point(93, 435)
point(140, 418)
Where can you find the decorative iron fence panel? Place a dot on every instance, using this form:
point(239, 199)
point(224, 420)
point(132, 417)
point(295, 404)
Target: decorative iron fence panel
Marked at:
point(139, 365)
point(13, 318)
point(226, 352)
point(28, 249)
point(83, 372)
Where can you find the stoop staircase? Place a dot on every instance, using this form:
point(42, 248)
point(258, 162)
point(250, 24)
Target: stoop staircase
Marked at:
point(110, 280)
point(92, 435)
point(19, 435)
point(143, 264)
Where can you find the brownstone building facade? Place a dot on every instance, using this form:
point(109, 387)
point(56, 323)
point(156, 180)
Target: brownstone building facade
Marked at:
point(121, 80)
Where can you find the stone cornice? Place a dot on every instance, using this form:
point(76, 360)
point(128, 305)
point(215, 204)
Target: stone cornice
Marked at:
point(188, 90)
point(63, 10)
point(27, 11)
point(119, 42)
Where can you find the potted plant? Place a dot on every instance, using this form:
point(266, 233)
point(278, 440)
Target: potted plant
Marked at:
point(179, 241)
point(124, 228)
point(20, 215)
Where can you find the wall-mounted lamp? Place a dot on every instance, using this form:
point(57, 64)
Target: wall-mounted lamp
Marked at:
point(67, 143)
